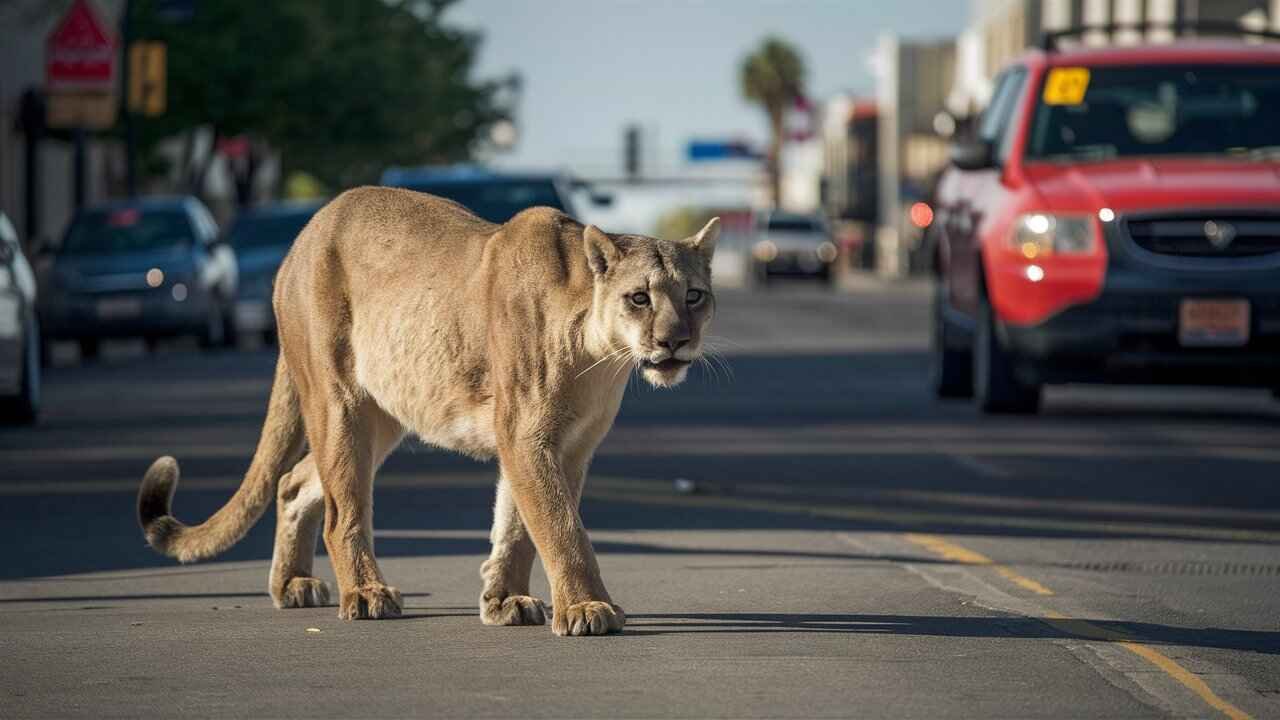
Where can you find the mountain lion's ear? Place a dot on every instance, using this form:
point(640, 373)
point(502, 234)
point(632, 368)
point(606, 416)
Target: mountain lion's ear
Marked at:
point(601, 252)
point(705, 240)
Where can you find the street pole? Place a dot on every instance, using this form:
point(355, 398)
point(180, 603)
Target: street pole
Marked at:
point(32, 180)
point(79, 179)
point(31, 112)
point(130, 142)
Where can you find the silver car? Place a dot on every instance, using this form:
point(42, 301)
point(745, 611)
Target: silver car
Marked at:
point(792, 244)
point(19, 332)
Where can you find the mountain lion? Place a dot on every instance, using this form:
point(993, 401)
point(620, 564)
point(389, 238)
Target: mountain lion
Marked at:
point(402, 312)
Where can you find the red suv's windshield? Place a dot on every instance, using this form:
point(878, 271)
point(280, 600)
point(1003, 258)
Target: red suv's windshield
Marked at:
point(1157, 110)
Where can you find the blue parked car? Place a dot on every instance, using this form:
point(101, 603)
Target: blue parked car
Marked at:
point(149, 268)
point(495, 196)
point(261, 237)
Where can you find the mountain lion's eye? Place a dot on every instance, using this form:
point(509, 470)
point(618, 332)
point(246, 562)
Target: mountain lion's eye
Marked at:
point(693, 297)
point(640, 298)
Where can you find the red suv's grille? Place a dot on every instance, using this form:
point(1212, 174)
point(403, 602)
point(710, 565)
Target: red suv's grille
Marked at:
point(1208, 234)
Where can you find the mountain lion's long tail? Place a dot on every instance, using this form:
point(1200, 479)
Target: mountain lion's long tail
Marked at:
point(279, 449)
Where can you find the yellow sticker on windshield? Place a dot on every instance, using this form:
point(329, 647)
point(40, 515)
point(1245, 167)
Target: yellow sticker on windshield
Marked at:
point(1066, 86)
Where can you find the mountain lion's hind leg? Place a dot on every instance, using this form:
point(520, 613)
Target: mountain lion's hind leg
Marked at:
point(299, 512)
point(505, 599)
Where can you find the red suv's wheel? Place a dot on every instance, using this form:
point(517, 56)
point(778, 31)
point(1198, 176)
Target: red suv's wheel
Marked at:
point(995, 386)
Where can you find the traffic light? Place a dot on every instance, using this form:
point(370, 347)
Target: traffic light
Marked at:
point(147, 78)
point(631, 152)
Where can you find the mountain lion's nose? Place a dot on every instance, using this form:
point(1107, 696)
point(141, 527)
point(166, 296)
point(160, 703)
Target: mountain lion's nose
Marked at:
point(673, 344)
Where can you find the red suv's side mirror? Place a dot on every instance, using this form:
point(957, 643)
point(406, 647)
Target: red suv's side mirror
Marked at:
point(972, 155)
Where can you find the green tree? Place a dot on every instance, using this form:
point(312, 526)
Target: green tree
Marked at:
point(773, 77)
point(682, 222)
point(341, 87)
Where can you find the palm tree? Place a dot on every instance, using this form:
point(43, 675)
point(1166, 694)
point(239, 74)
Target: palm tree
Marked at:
point(773, 76)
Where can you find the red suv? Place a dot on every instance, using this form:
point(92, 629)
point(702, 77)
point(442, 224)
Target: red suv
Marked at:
point(1115, 219)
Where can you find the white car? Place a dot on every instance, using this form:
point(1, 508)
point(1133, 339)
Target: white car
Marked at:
point(19, 332)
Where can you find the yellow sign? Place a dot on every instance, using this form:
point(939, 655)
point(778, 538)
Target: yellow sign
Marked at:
point(1066, 86)
point(147, 79)
point(81, 109)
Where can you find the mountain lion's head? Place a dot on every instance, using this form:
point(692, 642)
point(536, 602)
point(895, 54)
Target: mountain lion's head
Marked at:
point(653, 299)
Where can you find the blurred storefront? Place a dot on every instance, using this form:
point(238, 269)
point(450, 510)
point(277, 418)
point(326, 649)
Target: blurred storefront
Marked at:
point(849, 187)
point(881, 155)
point(195, 160)
point(24, 27)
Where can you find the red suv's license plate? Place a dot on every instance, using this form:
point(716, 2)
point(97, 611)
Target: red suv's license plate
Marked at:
point(1213, 323)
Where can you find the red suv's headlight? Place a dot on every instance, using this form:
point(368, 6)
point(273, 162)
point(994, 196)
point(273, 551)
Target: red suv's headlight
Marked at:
point(1038, 234)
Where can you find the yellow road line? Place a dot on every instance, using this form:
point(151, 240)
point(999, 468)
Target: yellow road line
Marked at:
point(1165, 663)
point(1082, 628)
point(955, 553)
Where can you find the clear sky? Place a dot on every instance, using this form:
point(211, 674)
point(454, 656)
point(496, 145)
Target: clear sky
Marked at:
point(591, 66)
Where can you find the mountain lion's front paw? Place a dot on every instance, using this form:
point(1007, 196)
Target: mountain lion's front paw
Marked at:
point(512, 610)
point(588, 618)
point(370, 602)
point(301, 592)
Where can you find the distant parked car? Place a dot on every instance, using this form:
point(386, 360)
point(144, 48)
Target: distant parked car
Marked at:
point(494, 196)
point(149, 268)
point(792, 244)
point(19, 332)
point(261, 237)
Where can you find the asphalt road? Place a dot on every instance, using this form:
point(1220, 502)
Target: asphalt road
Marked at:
point(851, 548)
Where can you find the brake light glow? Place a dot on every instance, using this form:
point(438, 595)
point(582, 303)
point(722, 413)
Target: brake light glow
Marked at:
point(124, 218)
point(921, 215)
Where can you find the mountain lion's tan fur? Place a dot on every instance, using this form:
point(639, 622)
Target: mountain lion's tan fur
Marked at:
point(401, 312)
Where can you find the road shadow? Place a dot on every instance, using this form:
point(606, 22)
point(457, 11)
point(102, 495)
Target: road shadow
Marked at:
point(157, 596)
point(1258, 641)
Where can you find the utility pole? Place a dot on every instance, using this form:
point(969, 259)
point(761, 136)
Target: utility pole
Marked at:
point(78, 166)
point(631, 153)
point(31, 112)
point(130, 141)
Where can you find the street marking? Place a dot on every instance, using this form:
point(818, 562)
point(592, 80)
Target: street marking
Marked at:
point(981, 467)
point(1083, 628)
point(1168, 665)
point(965, 556)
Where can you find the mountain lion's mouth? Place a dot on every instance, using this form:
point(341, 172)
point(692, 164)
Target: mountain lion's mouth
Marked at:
point(669, 365)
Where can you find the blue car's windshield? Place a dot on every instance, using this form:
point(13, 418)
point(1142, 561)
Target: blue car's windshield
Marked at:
point(127, 230)
point(495, 200)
